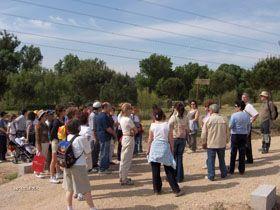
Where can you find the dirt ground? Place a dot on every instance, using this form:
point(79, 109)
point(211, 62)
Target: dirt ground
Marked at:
point(28, 192)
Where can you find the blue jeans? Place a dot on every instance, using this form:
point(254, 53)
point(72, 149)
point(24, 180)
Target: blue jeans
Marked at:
point(104, 155)
point(138, 144)
point(179, 146)
point(211, 157)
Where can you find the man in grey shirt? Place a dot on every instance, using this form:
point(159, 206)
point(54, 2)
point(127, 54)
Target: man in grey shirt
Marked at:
point(20, 123)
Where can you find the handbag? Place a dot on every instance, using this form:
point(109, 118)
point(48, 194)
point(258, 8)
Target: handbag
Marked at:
point(38, 163)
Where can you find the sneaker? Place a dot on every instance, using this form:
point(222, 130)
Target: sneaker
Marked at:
point(54, 180)
point(41, 176)
point(59, 176)
point(81, 197)
point(178, 194)
point(1, 161)
point(204, 167)
point(106, 171)
point(127, 182)
point(94, 170)
point(212, 179)
point(113, 163)
point(75, 196)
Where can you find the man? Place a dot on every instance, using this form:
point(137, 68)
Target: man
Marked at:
point(214, 137)
point(3, 137)
point(240, 127)
point(20, 123)
point(95, 145)
point(253, 114)
point(104, 133)
point(267, 112)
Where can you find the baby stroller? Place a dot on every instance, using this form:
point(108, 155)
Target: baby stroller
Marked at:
point(22, 151)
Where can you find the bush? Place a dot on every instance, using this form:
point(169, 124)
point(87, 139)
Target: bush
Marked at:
point(229, 97)
point(147, 99)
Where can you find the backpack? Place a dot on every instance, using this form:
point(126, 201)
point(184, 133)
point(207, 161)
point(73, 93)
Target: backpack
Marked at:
point(65, 153)
point(276, 111)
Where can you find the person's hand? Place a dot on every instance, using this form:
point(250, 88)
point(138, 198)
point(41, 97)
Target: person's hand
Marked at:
point(204, 146)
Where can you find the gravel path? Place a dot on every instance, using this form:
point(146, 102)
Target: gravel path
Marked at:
point(29, 193)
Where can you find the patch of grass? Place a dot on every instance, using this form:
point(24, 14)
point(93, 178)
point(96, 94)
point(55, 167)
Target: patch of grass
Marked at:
point(11, 176)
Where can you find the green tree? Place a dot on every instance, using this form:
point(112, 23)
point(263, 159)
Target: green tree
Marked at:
point(153, 69)
point(30, 57)
point(220, 82)
point(171, 87)
point(239, 74)
point(266, 74)
point(121, 88)
point(188, 73)
point(9, 58)
point(68, 64)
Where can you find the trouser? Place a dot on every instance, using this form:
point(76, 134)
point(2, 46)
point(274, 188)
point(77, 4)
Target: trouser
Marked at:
point(138, 144)
point(126, 156)
point(104, 154)
point(211, 154)
point(112, 148)
point(95, 145)
point(179, 146)
point(170, 174)
point(3, 147)
point(265, 129)
point(119, 135)
point(249, 152)
point(192, 141)
point(238, 143)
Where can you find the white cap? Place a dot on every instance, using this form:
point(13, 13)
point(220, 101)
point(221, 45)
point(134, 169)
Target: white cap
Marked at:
point(96, 104)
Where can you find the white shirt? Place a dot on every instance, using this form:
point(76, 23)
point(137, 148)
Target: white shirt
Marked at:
point(80, 146)
point(90, 120)
point(86, 132)
point(126, 125)
point(251, 111)
point(119, 120)
point(160, 130)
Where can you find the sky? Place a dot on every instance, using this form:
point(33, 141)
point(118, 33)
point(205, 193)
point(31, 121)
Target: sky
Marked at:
point(117, 37)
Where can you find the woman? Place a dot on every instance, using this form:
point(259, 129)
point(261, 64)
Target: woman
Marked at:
point(160, 152)
point(30, 131)
point(193, 117)
point(114, 125)
point(12, 128)
point(42, 136)
point(75, 178)
point(240, 125)
point(129, 130)
point(58, 122)
point(179, 124)
point(138, 137)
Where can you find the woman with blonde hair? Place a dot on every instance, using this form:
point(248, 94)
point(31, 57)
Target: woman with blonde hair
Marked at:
point(129, 130)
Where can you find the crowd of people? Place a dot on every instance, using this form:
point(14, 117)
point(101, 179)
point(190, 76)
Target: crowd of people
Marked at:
point(95, 130)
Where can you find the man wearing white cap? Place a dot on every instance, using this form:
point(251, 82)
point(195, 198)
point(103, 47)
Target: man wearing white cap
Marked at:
point(267, 113)
point(253, 114)
point(95, 144)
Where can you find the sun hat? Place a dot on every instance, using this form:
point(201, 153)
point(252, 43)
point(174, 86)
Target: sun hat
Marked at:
point(96, 104)
point(41, 113)
point(265, 94)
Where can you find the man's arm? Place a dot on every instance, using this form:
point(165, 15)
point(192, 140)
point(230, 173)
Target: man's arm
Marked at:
point(204, 134)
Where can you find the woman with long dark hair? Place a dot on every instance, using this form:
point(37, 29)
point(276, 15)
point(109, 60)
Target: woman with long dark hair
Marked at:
point(179, 123)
